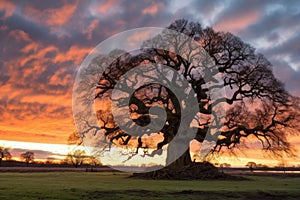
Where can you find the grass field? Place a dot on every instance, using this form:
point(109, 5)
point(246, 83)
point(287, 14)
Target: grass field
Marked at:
point(82, 185)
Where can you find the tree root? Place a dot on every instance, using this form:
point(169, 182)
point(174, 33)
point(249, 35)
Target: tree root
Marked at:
point(194, 171)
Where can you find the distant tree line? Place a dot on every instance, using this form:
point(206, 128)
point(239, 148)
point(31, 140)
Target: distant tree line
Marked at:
point(27, 157)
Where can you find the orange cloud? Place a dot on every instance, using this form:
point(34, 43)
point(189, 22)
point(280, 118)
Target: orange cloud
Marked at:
point(237, 23)
point(107, 6)
point(53, 16)
point(62, 15)
point(38, 55)
point(35, 117)
point(152, 10)
point(33, 46)
point(91, 28)
point(31, 137)
point(19, 35)
point(8, 7)
point(138, 37)
point(64, 100)
point(74, 54)
point(61, 78)
point(36, 103)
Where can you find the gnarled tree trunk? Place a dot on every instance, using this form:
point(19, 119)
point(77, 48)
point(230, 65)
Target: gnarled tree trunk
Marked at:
point(183, 161)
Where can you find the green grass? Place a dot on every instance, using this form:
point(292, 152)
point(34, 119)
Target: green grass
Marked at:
point(82, 185)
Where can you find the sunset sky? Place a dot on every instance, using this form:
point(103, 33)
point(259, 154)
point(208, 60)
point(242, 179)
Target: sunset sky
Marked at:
point(42, 44)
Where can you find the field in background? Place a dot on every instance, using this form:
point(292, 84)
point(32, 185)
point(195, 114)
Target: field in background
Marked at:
point(113, 185)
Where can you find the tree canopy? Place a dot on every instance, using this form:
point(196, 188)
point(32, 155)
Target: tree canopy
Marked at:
point(4, 153)
point(27, 157)
point(256, 102)
point(76, 157)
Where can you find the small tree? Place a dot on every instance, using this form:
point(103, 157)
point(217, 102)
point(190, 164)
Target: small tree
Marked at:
point(27, 157)
point(92, 160)
point(251, 165)
point(225, 165)
point(4, 154)
point(76, 158)
point(262, 165)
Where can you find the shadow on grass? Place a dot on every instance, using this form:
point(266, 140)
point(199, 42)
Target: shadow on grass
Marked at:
point(194, 171)
point(187, 194)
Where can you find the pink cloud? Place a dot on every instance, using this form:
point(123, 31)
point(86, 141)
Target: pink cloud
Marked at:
point(139, 36)
point(19, 35)
point(236, 23)
point(4, 28)
point(53, 16)
point(38, 55)
point(74, 54)
point(153, 9)
point(8, 7)
point(107, 6)
point(61, 78)
point(62, 15)
point(91, 28)
point(33, 46)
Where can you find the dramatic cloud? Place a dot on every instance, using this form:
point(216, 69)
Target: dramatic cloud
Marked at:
point(43, 43)
point(38, 154)
point(153, 9)
point(235, 24)
point(7, 8)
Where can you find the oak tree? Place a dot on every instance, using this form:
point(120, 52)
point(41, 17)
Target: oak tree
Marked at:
point(257, 104)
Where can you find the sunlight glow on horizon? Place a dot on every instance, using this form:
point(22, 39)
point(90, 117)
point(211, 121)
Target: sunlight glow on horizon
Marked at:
point(59, 152)
point(54, 148)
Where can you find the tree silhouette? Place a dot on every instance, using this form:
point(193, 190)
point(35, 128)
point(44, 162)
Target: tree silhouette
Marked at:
point(76, 157)
point(92, 160)
point(225, 165)
point(251, 165)
point(257, 103)
point(4, 154)
point(27, 157)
